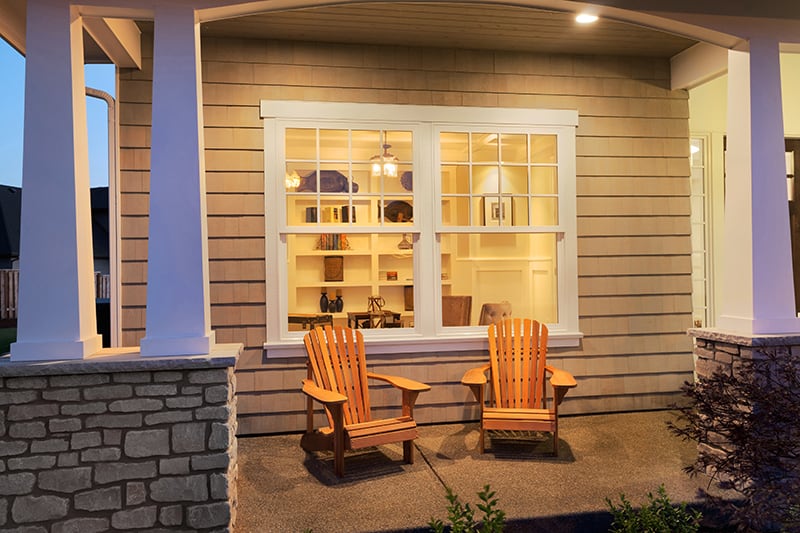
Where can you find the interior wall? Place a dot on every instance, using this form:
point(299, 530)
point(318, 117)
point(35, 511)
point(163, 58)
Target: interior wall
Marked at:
point(634, 251)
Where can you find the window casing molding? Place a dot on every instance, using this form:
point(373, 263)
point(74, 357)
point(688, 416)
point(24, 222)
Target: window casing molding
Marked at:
point(425, 122)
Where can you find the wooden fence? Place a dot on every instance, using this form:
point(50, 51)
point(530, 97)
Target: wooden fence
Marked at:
point(9, 291)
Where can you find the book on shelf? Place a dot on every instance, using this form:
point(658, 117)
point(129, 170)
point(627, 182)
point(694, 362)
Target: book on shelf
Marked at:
point(333, 241)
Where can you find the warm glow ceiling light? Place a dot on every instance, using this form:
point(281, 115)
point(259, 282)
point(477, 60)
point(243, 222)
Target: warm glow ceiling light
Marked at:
point(585, 18)
point(384, 164)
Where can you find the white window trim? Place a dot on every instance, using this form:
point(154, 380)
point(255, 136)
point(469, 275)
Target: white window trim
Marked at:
point(428, 336)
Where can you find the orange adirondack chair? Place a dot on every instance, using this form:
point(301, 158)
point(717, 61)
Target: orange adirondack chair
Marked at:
point(337, 378)
point(517, 366)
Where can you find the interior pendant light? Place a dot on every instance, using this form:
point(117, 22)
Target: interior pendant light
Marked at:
point(384, 164)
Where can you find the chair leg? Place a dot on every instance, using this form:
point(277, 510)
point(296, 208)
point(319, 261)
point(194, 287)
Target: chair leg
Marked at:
point(555, 441)
point(338, 440)
point(408, 451)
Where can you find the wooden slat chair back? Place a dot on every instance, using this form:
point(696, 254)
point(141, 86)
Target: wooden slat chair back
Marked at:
point(517, 354)
point(518, 387)
point(337, 378)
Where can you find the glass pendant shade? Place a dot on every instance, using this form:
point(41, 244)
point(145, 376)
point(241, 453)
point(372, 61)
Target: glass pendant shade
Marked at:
point(384, 164)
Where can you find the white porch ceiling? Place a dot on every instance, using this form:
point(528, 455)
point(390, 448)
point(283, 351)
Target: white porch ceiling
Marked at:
point(448, 25)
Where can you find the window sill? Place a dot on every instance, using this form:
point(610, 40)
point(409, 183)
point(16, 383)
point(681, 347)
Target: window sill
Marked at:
point(417, 344)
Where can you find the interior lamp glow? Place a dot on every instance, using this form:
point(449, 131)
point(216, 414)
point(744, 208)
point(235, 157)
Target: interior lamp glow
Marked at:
point(585, 18)
point(384, 164)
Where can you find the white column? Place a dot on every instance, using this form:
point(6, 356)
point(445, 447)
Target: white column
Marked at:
point(757, 281)
point(57, 297)
point(178, 320)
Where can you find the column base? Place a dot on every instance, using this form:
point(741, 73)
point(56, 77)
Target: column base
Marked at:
point(169, 346)
point(54, 351)
point(759, 326)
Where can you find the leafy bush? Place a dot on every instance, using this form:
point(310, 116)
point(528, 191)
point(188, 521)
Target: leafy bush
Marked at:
point(658, 516)
point(462, 516)
point(747, 424)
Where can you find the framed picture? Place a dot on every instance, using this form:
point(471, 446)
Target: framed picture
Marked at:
point(334, 268)
point(497, 211)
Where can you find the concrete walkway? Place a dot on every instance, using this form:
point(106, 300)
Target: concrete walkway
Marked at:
point(282, 489)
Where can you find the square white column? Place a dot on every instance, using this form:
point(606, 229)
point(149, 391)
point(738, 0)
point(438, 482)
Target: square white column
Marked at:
point(178, 315)
point(56, 294)
point(757, 295)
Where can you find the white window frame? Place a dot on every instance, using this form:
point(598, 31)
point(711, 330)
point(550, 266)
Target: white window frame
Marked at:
point(425, 121)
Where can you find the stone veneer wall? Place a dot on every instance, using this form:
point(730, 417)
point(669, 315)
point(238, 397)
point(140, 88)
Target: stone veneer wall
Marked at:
point(714, 349)
point(144, 444)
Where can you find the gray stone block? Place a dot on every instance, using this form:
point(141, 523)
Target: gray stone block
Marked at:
point(27, 430)
point(29, 412)
point(219, 486)
point(79, 380)
point(67, 480)
point(217, 375)
point(18, 397)
point(147, 443)
point(63, 425)
point(113, 472)
point(62, 395)
point(163, 377)
point(28, 382)
point(135, 493)
point(184, 402)
point(81, 525)
point(49, 446)
point(86, 439)
point(2, 423)
point(217, 394)
point(171, 515)
point(173, 466)
point(3, 511)
point(131, 377)
point(210, 515)
point(99, 455)
point(189, 437)
point(180, 489)
point(26, 529)
point(68, 459)
point(219, 412)
point(99, 500)
point(112, 436)
point(38, 508)
point(12, 447)
point(33, 462)
point(108, 392)
point(166, 389)
point(15, 484)
point(167, 417)
point(132, 420)
point(135, 518)
point(191, 390)
point(92, 408)
point(214, 461)
point(220, 437)
point(136, 405)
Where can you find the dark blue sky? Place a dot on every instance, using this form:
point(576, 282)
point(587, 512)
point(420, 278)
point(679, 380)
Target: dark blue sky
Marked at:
point(12, 98)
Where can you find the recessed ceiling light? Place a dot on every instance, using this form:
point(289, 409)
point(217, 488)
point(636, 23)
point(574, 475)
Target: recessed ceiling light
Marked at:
point(585, 18)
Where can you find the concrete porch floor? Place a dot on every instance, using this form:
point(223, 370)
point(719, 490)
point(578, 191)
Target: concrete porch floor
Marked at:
point(282, 489)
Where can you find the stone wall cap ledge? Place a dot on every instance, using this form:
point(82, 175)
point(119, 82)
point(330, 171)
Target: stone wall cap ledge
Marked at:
point(742, 339)
point(122, 360)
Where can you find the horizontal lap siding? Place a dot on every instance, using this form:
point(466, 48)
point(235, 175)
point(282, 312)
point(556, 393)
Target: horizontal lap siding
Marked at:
point(633, 209)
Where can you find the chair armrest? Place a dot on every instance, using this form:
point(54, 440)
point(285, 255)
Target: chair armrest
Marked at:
point(400, 383)
point(475, 376)
point(323, 396)
point(561, 378)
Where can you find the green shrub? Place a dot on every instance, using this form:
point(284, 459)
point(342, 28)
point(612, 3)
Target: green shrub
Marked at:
point(462, 516)
point(658, 516)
